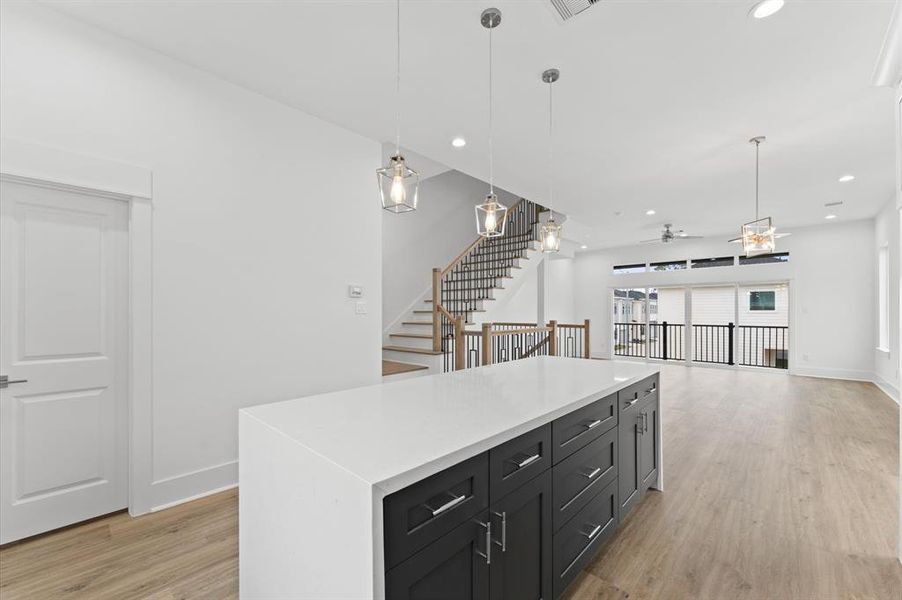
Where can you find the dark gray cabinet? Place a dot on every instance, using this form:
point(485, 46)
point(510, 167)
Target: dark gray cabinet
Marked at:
point(521, 556)
point(521, 520)
point(648, 444)
point(453, 567)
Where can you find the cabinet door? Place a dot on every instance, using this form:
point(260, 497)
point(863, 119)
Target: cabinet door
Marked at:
point(629, 440)
point(521, 557)
point(648, 444)
point(454, 567)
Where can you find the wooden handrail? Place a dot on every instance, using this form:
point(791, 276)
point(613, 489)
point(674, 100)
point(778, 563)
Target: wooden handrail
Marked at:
point(445, 312)
point(519, 331)
point(478, 241)
point(495, 324)
point(535, 348)
point(573, 325)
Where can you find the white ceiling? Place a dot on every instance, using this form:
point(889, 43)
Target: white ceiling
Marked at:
point(655, 104)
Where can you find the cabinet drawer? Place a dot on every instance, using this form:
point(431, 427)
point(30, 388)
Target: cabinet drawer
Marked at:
point(421, 513)
point(573, 431)
point(578, 540)
point(579, 477)
point(638, 393)
point(515, 462)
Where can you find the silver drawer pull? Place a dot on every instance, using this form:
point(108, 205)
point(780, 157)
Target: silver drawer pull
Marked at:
point(592, 474)
point(528, 461)
point(488, 541)
point(592, 533)
point(593, 424)
point(651, 390)
point(633, 401)
point(448, 505)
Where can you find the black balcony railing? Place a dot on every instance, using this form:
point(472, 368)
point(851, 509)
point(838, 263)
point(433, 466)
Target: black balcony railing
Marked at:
point(729, 344)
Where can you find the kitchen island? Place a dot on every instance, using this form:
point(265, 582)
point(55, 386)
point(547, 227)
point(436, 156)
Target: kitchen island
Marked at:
point(495, 482)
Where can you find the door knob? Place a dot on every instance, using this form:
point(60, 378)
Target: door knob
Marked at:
point(4, 381)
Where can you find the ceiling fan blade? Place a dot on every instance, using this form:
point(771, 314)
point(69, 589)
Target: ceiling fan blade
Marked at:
point(781, 235)
point(689, 237)
point(654, 241)
point(735, 240)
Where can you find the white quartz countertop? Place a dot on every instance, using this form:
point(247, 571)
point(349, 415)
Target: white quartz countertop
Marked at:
point(393, 434)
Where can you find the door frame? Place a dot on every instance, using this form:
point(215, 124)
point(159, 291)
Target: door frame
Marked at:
point(41, 166)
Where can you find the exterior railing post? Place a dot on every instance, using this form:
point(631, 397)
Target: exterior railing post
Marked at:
point(460, 344)
point(486, 344)
point(730, 343)
point(586, 345)
point(436, 313)
point(664, 340)
point(552, 338)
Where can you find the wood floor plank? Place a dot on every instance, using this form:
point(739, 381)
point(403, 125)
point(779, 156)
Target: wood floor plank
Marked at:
point(776, 487)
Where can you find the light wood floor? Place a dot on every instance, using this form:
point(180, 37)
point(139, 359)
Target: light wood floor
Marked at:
point(776, 487)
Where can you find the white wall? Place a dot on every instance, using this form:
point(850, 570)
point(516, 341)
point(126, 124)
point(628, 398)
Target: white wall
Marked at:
point(523, 305)
point(832, 285)
point(886, 234)
point(413, 243)
point(261, 217)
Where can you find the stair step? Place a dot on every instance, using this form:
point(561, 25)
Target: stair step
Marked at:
point(393, 367)
point(420, 336)
point(429, 312)
point(412, 350)
point(429, 323)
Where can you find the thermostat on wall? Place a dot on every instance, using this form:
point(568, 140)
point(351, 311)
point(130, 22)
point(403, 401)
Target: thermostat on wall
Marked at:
point(355, 291)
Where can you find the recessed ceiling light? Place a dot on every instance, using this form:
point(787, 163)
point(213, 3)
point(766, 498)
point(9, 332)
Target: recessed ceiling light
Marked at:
point(458, 142)
point(583, 246)
point(830, 217)
point(846, 178)
point(766, 8)
point(650, 212)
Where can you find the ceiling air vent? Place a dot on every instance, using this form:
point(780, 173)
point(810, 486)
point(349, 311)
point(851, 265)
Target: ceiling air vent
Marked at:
point(571, 8)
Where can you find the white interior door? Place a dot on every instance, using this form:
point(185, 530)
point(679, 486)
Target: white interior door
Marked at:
point(63, 329)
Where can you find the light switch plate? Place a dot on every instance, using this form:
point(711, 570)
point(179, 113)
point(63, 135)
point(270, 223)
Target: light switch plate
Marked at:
point(360, 308)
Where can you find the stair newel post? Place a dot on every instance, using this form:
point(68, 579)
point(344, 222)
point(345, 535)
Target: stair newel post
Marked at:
point(460, 345)
point(586, 352)
point(552, 338)
point(486, 344)
point(436, 313)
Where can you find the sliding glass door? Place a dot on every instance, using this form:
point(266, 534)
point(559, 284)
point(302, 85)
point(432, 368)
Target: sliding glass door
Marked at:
point(630, 319)
point(713, 317)
point(763, 331)
point(666, 323)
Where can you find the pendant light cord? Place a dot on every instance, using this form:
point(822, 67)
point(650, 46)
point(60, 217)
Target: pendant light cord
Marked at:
point(551, 149)
point(757, 167)
point(398, 79)
point(491, 124)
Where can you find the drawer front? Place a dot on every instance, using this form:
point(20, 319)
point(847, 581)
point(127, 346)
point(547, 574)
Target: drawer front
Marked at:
point(579, 539)
point(573, 431)
point(421, 513)
point(515, 462)
point(579, 477)
point(638, 393)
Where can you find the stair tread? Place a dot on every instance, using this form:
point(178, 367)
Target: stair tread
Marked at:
point(394, 367)
point(420, 336)
point(429, 312)
point(416, 322)
point(427, 351)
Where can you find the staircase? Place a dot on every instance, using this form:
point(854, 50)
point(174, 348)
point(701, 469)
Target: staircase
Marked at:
point(465, 288)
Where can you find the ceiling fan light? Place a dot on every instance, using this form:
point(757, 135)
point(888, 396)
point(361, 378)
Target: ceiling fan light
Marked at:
point(758, 237)
point(551, 236)
point(491, 217)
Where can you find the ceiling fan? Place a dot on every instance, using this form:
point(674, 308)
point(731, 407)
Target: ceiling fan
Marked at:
point(668, 236)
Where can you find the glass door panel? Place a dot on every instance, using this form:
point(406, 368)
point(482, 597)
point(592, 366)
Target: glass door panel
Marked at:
point(713, 315)
point(763, 331)
point(629, 321)
point(666, 323)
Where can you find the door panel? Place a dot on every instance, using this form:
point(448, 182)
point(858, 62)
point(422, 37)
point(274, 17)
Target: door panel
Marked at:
point(648, 445)
point(628, 459)
point(63, 328)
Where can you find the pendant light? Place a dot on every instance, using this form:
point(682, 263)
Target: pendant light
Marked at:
point(398, 183)
point(491, 214)
point(758, 236)
point(550, 230)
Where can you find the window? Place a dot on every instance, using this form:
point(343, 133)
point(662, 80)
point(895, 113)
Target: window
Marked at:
point(629, 268)
point(762, 300)
point(670, 265)
point(882, 299)
point(720, 261)
point(777, 257)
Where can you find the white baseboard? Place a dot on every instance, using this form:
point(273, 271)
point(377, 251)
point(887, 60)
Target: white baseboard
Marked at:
point(887, 388)
point(176, 490)
point(828, 373)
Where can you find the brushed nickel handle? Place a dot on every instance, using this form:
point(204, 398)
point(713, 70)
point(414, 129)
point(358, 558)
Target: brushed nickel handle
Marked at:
point(527, 461)
point(448, 505)
point(488, 541)
point(633, 401)
point(5, 382)
point(645, 421)
point(593, 424)
point(592, 474)
point(640, 426)
point(592, 533)
point(503, 542)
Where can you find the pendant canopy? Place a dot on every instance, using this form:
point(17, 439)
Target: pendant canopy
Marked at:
point(491, 215)
point(398, 184)
point(758, 236)
point(550, 231)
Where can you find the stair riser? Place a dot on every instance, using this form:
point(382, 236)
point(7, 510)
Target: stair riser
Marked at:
point(433, 362)
point(425, 344)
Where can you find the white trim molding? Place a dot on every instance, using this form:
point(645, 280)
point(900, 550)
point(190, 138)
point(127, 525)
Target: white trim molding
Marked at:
point(888, 71)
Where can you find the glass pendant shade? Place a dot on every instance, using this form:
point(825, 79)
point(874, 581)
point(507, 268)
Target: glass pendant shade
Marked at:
point(550, 236)
point(491, 216)
point(758, 237)
point(398, 185)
